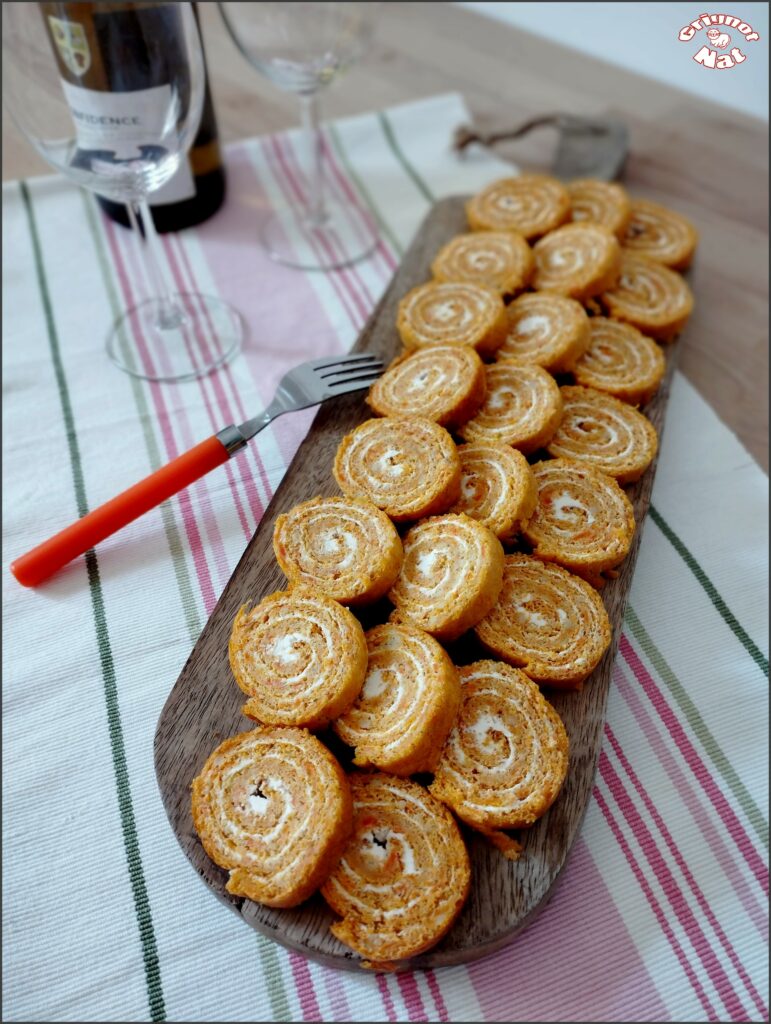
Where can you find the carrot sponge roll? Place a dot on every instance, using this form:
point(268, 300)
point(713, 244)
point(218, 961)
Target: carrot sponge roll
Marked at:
point(299, 656)
point(531, 204)
point(577, 260)
point(661, 234)
point(582, 520)
point(620, 361)
point(450, 578)
point(507, 756)
point(273, 807)
point(547, 330)
point(407, 467)
point(497, 487)
point(600, 202)
point(548, 622)
point(345, 547)
point(443, 383)
point(408, 702)
point(404, 875)
point(452, 313)
point(522, 407)
point(498, 259)
point(650, 297)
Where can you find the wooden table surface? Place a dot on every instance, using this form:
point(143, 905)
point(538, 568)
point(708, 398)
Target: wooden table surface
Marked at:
point(708, 161)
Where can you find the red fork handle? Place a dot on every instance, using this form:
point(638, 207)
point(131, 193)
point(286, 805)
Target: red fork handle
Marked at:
point(44, 560)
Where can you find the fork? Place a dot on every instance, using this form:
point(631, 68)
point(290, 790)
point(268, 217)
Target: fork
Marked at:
point(305, 385)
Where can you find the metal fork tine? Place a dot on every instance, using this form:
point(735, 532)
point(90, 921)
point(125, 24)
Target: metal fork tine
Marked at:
point(363, 377)
point(325, 364)
point(375, 367)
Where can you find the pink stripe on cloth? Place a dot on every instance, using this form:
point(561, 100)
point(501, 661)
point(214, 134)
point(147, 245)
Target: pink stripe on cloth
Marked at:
point(385, 995)
point(306, 991)
point(412, 997)
point(656, 907)
point(688, 874)
point(681, 784)
point(672, 891)
point(436, 994)
point(558, 970)
point(336, 991)
point(697, 766)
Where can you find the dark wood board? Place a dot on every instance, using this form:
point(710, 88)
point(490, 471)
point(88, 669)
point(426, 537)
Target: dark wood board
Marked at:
point(204, 705)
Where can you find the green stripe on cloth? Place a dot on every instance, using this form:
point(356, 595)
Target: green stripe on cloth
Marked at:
point(699, 726)
point(170, 527)
point(339, 145)
point(398, 152)
point(712, 593)
point(269, 962)
point(125, 806)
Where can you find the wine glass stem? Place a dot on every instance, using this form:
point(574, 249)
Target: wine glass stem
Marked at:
point(170, 315)
point(309, 108)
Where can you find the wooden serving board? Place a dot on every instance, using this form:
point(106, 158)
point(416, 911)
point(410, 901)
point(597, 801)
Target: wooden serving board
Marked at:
point(204, 706)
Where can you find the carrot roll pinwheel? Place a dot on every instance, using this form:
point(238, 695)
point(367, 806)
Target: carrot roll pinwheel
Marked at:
point(531, 204)
point(506, 757)
point(299, 656)
point(452, 313)
point(404, 875)
point(582, 520)
point(604, 432)
point(408, 702)
point(578, 260)
point(650, 297)
point(600, 202)
point(497, 487)
point(548, 622)
point(499, 259)
point(549, 330)
point(345, 547)
point(660, 234)
point(522, 407)
point(443, 383)
point(620, 361)
point(451, 575)
point(407, 467)
point(273, 807)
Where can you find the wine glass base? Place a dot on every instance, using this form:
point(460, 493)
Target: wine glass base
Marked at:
point(205, 335)
point(348, 234)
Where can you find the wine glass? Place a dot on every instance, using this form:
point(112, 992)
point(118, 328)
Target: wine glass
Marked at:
point(301, 47)
point(111, 95)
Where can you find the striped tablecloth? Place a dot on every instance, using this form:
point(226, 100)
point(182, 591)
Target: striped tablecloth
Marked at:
point(662, 914)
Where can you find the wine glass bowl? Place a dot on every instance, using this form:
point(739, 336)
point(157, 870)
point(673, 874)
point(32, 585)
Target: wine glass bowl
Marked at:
point(302, 48)
point(111, 96)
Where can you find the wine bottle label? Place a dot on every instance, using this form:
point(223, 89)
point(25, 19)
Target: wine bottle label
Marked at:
point(123, 122)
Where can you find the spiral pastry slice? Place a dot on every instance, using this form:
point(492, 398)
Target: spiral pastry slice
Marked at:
point(407, 705)
point(451, 576)
point(582, 520)
point(661, 234)
point(547, 330)
point(443, 383)
point(404, 875)
point(531, 204)
point(452, 313)
point(497, 487)
point(548, 622)
point(299, 656)
point(600, 202)
point(273, 807)
point(577, 260)
point(650, 297)
point(498, 259)
point(605, 433)
point(620, 361)
point(407, 467)
point(522, 407)
point(347, 548)
point(506, 757)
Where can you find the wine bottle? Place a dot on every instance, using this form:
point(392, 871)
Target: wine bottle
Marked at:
point(80, 34)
